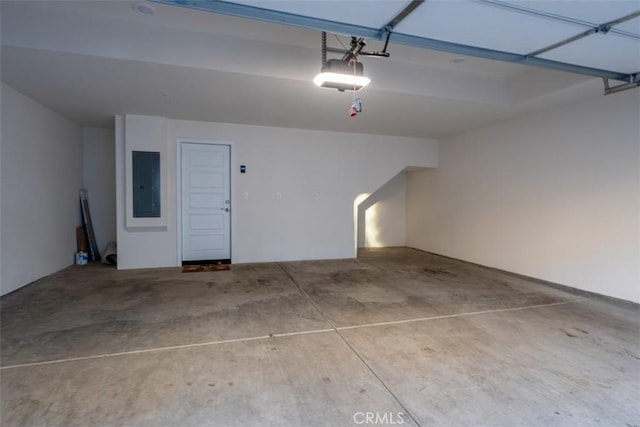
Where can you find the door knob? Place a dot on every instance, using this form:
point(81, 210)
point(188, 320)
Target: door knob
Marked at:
point(224, 209)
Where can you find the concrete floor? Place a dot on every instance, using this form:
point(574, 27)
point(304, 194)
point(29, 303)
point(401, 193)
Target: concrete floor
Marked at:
point(401, 335)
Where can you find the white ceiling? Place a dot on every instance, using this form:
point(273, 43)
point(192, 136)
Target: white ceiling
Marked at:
point(90, 60)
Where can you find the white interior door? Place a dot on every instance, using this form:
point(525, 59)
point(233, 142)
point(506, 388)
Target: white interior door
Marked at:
point(206, 202)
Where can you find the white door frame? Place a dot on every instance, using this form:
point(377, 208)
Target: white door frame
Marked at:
point(232, 181)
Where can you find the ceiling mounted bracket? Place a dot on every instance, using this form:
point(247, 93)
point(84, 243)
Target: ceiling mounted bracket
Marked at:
point(386, 32)
point(634, 82)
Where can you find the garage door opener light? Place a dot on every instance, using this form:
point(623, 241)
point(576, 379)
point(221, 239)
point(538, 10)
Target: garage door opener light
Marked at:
point(345, 73)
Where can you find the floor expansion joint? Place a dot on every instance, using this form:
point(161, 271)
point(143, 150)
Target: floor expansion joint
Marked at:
point(358, 355)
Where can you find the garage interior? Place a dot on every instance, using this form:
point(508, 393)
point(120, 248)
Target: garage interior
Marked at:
point(465, 250)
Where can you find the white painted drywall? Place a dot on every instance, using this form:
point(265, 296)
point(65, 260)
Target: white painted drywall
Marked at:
point(41, 175)
point(555, 195)
point(99, 178)
point(299, 164)
point(382, 216)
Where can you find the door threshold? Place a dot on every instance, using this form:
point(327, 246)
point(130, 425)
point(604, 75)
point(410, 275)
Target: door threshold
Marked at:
point(207, 261)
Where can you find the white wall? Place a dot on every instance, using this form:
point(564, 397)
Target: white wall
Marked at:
point(99, 178)
point(382, 216)
point(41, 175)
point(555, 196)
point(298, 164)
